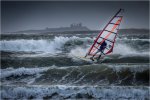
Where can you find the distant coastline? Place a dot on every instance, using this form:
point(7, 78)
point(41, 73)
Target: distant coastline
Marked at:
point(75, 28)
point(72, 27)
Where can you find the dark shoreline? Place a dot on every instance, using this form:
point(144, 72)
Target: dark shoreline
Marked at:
point(48, 35)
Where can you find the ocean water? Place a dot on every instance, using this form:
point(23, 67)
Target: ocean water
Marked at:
point(46, 68)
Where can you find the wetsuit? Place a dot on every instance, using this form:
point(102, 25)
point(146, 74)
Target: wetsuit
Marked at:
point(101, 49)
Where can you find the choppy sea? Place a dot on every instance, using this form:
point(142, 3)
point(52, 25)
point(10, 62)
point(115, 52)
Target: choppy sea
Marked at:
point(45, 68)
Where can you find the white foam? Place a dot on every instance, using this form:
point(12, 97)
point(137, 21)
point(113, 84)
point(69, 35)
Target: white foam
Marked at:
point(133, 39)
point(71, 92)
point(132, 67)
point(55, 45)
point(21, 71)
point(119, 49)
point(123, 49)
point(79, 51)
point(34, 45)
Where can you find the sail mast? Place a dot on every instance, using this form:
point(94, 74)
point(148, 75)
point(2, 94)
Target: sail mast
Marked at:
point(104, 30)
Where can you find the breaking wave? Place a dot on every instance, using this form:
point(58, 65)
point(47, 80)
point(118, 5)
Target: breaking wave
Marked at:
point(11, 72)
point(58, 44)
point(75, 92)
point(52, 46)
point(33, 45)
point(44, 67)
point(104, 74)
point(119, 49)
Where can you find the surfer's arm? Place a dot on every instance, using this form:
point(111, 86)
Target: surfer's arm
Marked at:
point(98, 42)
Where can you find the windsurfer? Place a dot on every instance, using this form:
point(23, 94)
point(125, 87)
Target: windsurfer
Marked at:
point(101, 49)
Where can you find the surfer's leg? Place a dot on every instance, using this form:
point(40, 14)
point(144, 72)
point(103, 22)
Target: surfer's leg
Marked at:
point(94, 55)
point(100, 55)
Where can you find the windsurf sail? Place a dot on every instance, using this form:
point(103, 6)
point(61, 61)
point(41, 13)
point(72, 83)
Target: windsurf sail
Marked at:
point(108, 34)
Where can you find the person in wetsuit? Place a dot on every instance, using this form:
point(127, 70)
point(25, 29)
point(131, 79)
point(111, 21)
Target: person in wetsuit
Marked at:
point(101, 49)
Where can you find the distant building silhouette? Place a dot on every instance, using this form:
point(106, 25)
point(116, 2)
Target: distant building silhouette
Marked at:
point(76, 25)
point(72, 27)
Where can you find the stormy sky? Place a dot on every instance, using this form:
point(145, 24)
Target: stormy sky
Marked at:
point(24, 15)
